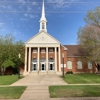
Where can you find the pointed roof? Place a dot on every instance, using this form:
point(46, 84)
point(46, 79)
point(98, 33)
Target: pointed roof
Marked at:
point(43, 13)
point(42, 37)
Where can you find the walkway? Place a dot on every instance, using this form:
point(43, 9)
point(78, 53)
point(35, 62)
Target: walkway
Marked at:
point(33, 79)
point(37, 88)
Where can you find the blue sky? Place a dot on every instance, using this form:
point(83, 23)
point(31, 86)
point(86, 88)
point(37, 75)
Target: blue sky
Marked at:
point(21, 18)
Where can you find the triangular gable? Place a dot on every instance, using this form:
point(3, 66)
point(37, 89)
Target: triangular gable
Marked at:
point(42, 37)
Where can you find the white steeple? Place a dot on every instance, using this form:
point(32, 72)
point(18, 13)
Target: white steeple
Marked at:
point(43, 20)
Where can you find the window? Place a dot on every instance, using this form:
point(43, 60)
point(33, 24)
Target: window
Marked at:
point(69, 65)
point(89, 65)
point(34, 50)
point(51, 50)
point(43, 27)
point(79, 65)
point(42, 50)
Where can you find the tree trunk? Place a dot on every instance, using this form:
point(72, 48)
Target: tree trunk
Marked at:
point(3, 70)
point(98, 68)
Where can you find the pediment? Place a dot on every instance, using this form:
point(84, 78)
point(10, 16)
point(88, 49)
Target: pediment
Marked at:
point(42, 37)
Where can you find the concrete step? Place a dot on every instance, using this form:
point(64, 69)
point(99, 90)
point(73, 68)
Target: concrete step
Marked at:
point(42, 73)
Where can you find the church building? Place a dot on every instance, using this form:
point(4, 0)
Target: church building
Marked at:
point(45, 54)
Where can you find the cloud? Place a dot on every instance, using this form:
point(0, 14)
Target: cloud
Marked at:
point(61, 3)
point(1, 24)
point(26, 15)
point(29, 9)
point(22, 1)
point(3, 6)
point(23, 19)
point(34, 3)
point(30, 15)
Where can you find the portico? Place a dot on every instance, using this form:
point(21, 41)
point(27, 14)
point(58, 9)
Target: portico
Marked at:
point(42, 59)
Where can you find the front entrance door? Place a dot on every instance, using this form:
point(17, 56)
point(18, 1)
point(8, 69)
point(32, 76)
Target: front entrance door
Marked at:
point(34, 67)
point(42, 67)
point(51, 67)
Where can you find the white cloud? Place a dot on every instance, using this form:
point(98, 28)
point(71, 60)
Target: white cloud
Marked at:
point(29, 9)
point(1, 24)
point(25, 14)
point(30, 15)
point(22, 1)
point(34, 3)
point(3, 6)
point(23, 19)
point(61, 3)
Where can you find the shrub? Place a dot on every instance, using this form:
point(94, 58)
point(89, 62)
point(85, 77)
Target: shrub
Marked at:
point(69, 72)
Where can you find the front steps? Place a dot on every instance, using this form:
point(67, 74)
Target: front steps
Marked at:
point(43, 73)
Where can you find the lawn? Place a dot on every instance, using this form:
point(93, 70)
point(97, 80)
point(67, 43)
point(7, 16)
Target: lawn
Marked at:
point(8, 79)
point(82, 78)
point(11, 92)
point(74, 91)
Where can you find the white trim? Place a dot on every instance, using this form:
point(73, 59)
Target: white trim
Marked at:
point(34, 63)
point(43, 62)
point(55, 58)
point(59, 59)
point(51, 62)
point(64, 47)
point(38, 59)
point(46, 58)
point(29, 60)
point(25, 59)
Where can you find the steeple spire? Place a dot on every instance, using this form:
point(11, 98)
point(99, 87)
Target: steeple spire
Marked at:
point(43, 20)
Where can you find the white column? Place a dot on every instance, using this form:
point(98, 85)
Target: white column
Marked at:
point(59, 59)
point(55, 58)
point(47, 59)
point(29, 60)
point(25, 67)
point(38, 58)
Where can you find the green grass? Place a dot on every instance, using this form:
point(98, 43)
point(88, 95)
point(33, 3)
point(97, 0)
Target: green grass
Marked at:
point(11, 92)
point(82, 78)
point(74, 91)
point(8, 79)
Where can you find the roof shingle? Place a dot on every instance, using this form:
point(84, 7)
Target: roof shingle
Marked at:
point(75, 50)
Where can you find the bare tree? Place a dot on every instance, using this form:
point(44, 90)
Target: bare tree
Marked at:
point(89, 37)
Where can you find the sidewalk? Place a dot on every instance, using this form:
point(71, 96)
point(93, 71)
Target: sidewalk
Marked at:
point(38, 88)
point(36, 93)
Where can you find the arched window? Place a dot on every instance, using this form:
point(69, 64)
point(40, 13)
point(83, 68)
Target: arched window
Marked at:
point(43, 26)
point(89, 65)
point(79, 65)
point(69, 65)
